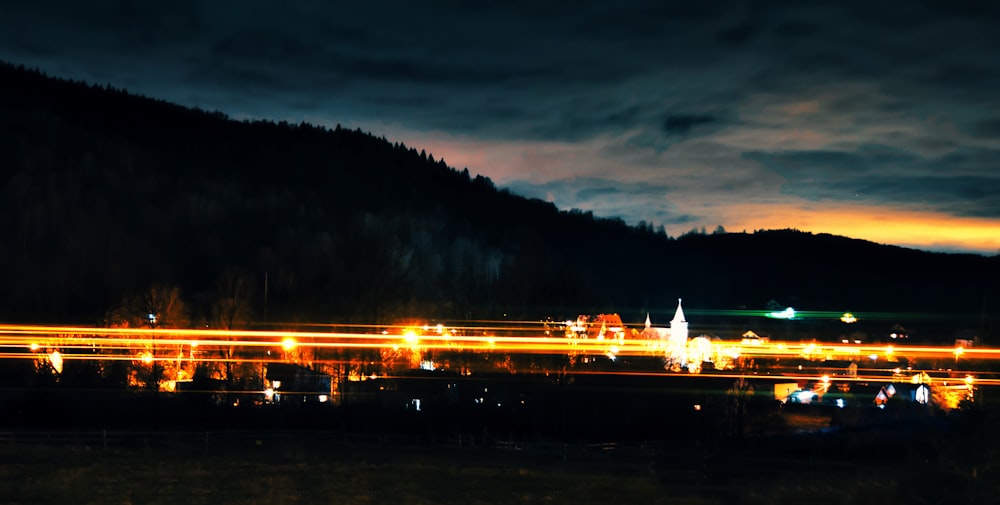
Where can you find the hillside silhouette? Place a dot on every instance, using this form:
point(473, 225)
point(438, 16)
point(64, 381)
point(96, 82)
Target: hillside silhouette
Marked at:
point(105, 193)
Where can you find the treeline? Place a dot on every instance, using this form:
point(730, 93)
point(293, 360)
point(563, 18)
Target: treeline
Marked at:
point(104, 194)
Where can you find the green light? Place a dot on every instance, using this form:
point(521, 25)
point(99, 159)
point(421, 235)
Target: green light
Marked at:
point(825, 314)
point(788, 313)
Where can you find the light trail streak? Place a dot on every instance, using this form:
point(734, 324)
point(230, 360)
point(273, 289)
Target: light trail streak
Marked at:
point(823, 314)
point(801, 377)
point(207, 345)
point(81, 337)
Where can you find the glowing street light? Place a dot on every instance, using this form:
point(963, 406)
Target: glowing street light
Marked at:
point(788, 313)
point(57, 362)
point(410, 337)
point(848, 318)
point(288, 343)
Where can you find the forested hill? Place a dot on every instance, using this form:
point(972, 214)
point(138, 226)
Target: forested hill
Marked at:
point(105, 194)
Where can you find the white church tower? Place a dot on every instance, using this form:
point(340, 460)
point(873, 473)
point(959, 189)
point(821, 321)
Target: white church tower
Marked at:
point(677, 342)
point(674, 340)
point(679, 326)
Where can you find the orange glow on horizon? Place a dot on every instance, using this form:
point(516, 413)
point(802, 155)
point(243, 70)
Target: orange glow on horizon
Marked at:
point(907, 228)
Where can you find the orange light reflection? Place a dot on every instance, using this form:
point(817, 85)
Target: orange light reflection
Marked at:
point(84, 343)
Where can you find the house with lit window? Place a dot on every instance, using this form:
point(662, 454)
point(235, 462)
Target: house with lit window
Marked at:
point(299, 384)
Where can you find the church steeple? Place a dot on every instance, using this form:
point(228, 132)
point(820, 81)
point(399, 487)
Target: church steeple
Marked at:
point(679, 327)
point(648, 322)
point(679, 315)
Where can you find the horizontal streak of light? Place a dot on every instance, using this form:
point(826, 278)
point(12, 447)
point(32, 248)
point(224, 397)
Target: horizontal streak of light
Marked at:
point(885, 377)
point(206, 344)
point(819, 314)
point(465, 325)
point(777, 377)
point(79, 336)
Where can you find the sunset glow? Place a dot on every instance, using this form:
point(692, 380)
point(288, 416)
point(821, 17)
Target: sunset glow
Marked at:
point(918, 229)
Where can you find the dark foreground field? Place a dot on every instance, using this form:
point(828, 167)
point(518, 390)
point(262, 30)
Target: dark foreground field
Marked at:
point(957, 463)
point(602, 445)
point(244, 469)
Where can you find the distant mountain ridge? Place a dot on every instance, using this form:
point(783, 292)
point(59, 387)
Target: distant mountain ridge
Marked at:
point(105, 193)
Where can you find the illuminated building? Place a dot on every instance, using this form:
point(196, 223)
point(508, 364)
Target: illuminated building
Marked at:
point(678, 327)
point(297, 383)
point(673, 340)
point(599, 327)
point(677, 334)
point(749, 337)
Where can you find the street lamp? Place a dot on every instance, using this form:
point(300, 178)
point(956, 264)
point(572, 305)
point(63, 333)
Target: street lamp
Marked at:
point(154, 366)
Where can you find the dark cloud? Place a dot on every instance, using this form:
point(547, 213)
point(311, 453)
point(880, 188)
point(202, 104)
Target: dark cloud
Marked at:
point(682, 124)
point(595, 193)
point(682, 219)
point(836, 98)
point(812, 166)
point(632, 201)
point(881, 174)
point(968, 160)
point(989, 128)
point(970, 196)
point(798, 30)
point(737, 34)
point(257, 45)
point(548, 69)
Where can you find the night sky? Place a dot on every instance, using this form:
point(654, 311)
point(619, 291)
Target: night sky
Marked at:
point(875, 120)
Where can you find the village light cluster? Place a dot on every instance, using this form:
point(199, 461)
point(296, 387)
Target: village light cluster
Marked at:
point(170, 357)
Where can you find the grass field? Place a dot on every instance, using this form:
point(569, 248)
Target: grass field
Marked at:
point(898, 461)
point(270, 472)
